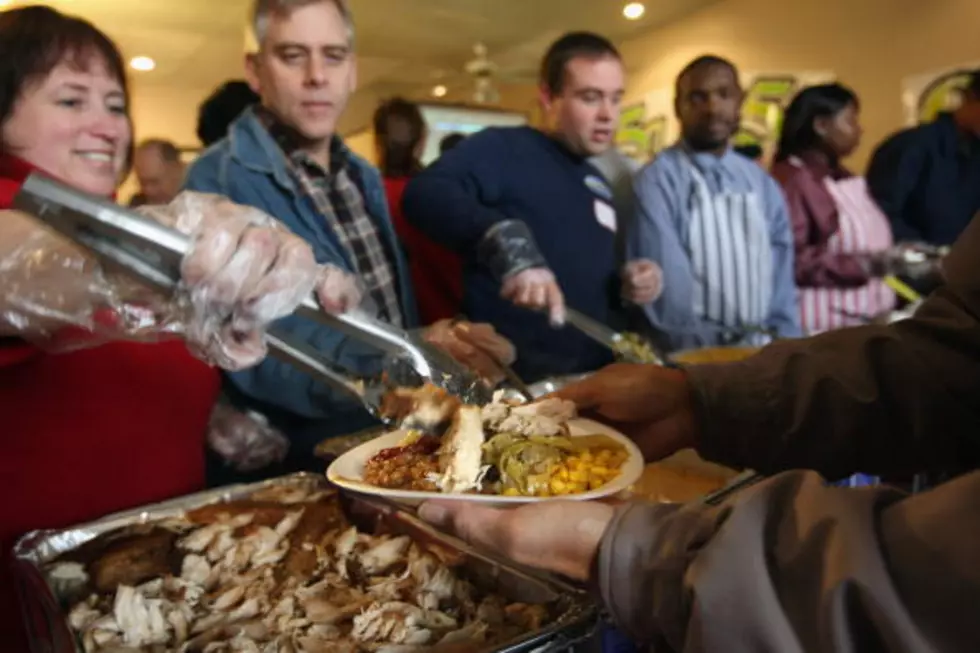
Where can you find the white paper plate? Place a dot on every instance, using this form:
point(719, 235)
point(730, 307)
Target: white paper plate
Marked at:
point(347, 471)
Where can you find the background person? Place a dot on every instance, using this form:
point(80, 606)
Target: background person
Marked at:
point(221, 108)
point(927, 178)
point(437, 273)
point(836, 223)
point(449, 141)
point(159, 171)
point(715, 223)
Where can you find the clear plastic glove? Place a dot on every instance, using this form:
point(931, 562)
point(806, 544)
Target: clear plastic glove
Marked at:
point(245, 441)
point(477, 346)
point(244, 271)
point(338, 291)
point(537, 289)
point(642, 281)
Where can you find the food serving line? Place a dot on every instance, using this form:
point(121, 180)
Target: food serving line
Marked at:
point(173, 595)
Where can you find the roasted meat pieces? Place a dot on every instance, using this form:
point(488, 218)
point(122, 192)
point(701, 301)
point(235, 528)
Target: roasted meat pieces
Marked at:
point(426, 408)
point(282, 577)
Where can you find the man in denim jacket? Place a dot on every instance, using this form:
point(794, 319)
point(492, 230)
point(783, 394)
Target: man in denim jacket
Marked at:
point(283, 157)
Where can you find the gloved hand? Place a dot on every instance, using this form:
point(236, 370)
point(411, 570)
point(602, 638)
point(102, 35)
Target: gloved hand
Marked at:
point(244, 271)
point(642, 281)
point(477, 346)
point(245, 441)
point(537, 289)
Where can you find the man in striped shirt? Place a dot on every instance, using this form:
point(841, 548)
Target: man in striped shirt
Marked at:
point(716, 223)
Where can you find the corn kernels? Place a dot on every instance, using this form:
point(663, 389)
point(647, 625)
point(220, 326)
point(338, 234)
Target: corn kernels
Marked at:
point(579, 476)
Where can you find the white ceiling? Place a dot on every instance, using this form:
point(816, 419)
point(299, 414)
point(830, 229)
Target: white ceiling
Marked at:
point(404, 46)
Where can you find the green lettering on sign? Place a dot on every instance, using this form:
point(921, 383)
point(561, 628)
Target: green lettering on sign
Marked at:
point(631, 137)
point(762, 109)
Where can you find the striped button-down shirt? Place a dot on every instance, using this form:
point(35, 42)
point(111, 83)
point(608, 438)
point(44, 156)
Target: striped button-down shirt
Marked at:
point(661, 230)
point(337, 195)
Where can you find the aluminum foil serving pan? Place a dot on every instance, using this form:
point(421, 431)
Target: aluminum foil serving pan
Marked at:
point(298, 554)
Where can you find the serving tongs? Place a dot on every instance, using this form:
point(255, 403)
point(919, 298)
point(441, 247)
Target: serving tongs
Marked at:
point(152, 253)
point(607, 336)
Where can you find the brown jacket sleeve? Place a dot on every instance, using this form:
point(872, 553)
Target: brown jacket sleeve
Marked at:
point(813, 217)
point(892, 399)
point(792, 565)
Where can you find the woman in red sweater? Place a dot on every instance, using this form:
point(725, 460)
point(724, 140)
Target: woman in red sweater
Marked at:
point(105, 428)
point(437, 273)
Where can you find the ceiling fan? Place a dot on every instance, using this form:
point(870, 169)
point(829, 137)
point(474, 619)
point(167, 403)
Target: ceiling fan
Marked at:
point(483, 71)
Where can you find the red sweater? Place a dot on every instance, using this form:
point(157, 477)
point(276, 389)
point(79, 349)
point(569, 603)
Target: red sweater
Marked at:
point(437, 273)
point(91, 432)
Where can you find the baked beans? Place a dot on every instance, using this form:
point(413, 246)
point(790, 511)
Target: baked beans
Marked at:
point(405, 468)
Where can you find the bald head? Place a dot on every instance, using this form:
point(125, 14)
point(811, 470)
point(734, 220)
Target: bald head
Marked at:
point(159, 170)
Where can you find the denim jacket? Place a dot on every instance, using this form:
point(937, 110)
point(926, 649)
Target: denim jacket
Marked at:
point(249, 168)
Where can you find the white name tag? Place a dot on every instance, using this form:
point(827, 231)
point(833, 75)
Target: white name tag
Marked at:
point(605, 215)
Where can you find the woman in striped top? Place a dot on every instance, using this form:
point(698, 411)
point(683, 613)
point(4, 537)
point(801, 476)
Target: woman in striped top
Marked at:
point(836, 223)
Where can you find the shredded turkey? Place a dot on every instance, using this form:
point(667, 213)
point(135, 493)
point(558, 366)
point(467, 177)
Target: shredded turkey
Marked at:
point(230, 593)
point(461, 455)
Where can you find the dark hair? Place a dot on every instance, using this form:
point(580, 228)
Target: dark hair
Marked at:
point(568, 47)
point(167, 150)
point(449, 141)
point(398, 130)
point(35, 39)
point(822, 101)
point(973, 83)
point(220, 109)
point(704, 61)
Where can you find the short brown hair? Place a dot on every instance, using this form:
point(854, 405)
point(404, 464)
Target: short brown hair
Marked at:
point(35, 39)
point(568, 47)
point(262, 10)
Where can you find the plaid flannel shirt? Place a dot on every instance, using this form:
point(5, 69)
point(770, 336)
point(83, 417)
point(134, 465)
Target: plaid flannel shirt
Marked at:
point(337, 195)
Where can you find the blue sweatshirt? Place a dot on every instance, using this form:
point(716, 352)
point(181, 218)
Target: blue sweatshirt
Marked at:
point(519, 173)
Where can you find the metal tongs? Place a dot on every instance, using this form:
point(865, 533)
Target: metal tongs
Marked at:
point(607, 337)
point(152, 253)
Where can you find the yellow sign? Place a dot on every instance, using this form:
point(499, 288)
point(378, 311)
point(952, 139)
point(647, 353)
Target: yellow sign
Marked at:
point(762, 111)
point(924, 96)
point(942, 94)
point(638, 136)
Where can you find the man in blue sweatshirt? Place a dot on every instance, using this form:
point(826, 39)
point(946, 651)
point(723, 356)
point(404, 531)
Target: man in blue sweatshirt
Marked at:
point(535, 221)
